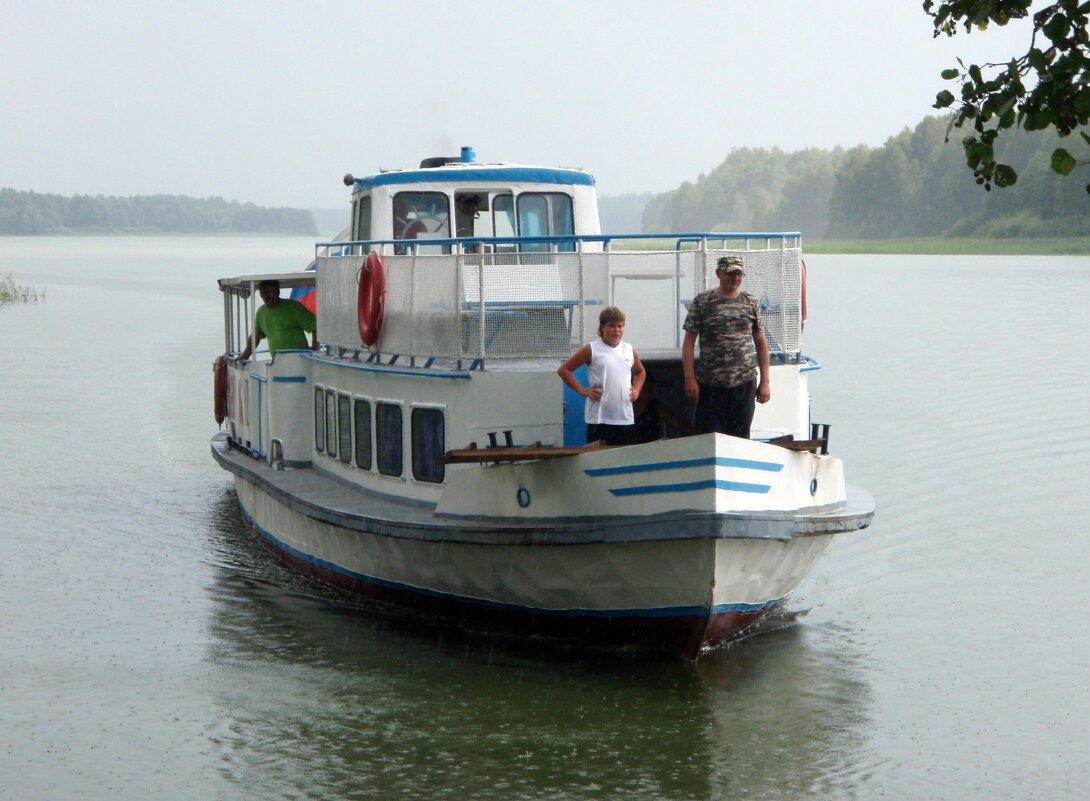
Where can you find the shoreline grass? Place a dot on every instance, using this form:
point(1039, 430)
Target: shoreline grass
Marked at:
point(955, 246)
point(933, 246)
point(10, 292)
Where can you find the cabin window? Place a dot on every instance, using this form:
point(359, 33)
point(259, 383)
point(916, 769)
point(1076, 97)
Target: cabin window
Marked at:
point(344, 427)
point(545, 214)
point(422, 215)
point(362, 219)
point(471, 217)
point(388, 437)
point(319, 419)
point(428, 439)
point(331, 423)
point(503, 220)
point(363, 434)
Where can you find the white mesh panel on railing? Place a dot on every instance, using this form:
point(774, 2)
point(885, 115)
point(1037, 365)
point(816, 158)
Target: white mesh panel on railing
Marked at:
point(436, 323)
point(338, 285)
point(525, 304)
point(397, 327)
point(774, 277)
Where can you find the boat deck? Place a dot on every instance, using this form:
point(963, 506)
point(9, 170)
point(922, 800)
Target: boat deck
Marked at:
point(324, 497)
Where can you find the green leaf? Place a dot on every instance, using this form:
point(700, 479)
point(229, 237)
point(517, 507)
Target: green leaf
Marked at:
point(1081, 103)
point(1056, 29)
point(1062, 161)
point(949, 75)
point(943, 99)
point(1005, 175)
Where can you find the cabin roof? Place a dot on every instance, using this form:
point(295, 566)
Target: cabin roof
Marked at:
point(287, 280)
point(475, 172)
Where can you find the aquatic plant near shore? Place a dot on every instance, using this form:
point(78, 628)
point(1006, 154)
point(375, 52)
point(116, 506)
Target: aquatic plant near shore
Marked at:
point(12, 293)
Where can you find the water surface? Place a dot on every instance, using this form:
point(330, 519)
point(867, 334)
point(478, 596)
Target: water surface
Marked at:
point(152, 649)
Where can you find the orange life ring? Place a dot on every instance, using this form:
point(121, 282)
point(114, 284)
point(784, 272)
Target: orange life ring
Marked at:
point(371, 299)
point(219, 391)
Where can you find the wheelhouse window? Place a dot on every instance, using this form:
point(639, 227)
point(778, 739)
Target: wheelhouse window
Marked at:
point(428, 442)
point(422, 215)
point(361, 219)
point(344, 427)
point(388, 437)
point(319, 419)
point(503, 220)
point(471, 217)
point(363, 433)
point(545, 214)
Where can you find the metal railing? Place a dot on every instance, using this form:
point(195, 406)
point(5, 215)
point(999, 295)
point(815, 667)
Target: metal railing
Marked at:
point(480, 298)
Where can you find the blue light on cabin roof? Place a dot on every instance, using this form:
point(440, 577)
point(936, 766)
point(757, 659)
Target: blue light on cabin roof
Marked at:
point(540, 175)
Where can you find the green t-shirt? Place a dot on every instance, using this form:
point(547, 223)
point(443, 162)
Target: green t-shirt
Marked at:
point(284, 325)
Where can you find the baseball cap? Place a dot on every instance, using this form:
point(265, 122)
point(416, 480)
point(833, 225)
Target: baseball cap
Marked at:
point(730, 264)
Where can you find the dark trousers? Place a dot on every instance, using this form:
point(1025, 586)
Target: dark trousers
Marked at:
point(726, 410)
point(611, 434)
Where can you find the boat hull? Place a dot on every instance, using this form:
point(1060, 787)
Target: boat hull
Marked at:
point(687, 595)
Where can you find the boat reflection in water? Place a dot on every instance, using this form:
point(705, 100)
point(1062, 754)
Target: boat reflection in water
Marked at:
point(317, 696)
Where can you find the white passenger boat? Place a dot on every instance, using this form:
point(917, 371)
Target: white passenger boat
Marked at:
point(428, 456)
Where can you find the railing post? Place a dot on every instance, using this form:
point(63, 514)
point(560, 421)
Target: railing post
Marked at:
point(582, 295)
point(480, 303)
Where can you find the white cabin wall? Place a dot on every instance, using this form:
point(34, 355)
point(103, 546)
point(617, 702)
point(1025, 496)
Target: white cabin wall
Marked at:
point(788, 411)
point(585, 210)
point(529, 404)
point(288, 397)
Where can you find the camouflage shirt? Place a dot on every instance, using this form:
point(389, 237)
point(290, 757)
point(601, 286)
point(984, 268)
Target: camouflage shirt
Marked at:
point(725, 328)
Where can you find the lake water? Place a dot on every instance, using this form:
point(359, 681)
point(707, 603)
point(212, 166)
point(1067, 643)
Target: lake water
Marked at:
point(151, 649)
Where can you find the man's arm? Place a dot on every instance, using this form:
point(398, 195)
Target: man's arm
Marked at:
point(764, 388)
point(688, 347)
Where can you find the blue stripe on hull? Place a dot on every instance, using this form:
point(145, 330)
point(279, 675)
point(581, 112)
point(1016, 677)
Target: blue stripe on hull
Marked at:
point(693, 486)
point(718, 461)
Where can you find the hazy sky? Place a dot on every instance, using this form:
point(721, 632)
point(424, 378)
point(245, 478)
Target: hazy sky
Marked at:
point(274, 102)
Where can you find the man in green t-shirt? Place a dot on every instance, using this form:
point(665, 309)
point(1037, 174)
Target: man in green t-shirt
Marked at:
point(284, 322)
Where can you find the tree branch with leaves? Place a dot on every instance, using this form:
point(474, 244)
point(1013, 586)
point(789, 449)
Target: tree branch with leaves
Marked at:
point(1047, 87)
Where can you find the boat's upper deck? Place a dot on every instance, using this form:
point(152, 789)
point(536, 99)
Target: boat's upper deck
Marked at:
point(480, 262)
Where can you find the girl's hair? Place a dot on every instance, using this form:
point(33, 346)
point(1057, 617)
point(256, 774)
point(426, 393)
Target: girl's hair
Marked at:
point(610, 314)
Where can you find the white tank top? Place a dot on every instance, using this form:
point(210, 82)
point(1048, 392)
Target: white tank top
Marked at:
point(612, 369)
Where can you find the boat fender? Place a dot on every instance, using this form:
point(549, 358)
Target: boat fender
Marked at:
point(802, 324)
point(523, 497)
point(371, 299)
point(219, 390)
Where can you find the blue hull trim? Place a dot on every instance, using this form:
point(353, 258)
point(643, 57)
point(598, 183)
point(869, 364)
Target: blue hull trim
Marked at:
point(692, 486)
point(718, 461)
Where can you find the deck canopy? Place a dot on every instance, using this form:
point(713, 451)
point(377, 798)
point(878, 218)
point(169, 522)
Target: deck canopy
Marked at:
point(240, 302)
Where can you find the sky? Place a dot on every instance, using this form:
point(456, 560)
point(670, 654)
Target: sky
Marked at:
point(272, 103)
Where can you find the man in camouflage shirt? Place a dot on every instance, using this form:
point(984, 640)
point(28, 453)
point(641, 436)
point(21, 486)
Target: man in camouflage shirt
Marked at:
point(733, 350)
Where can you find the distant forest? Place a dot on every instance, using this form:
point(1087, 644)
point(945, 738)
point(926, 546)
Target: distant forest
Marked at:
point(31, 213)
point(915, 185)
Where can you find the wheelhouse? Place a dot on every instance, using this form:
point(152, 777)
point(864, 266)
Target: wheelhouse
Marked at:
point(460, 198)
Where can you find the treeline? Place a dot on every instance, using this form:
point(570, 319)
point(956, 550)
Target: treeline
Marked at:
point(915, 185)
point(31, 213)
